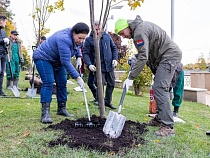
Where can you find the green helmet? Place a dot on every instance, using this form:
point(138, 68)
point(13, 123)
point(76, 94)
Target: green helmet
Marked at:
point(120, 25)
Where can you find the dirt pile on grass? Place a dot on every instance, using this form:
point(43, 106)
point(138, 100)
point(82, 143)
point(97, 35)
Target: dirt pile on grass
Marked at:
point(94, 138)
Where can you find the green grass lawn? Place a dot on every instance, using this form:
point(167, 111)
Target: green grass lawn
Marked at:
point(22, 134)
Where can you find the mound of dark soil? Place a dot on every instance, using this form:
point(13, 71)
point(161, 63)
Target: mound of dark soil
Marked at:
point(94, 139)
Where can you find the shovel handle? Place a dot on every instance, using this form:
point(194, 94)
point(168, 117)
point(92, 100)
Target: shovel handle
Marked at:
point(33, 69)
point(123, 94)
point(122, 99)
point(9, 62)
point(86, 104)
point(85, 98)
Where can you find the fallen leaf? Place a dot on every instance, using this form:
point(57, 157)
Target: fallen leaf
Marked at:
point(196, 126)
point(111, 153)
point(157, 141)
point(26, 133)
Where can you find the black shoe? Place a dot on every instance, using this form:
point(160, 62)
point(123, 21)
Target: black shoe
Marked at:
point(175, 114)
point(2, 94)
point(208, 133)
point(110, 106)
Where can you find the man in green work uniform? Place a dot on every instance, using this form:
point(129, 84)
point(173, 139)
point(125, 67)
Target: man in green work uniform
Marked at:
point(16, 58)
point(177, 84)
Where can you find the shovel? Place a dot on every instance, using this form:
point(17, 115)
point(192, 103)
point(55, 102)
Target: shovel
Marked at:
point(115, 122)
point(13, 88)
point(89, 123)
point(32, 91)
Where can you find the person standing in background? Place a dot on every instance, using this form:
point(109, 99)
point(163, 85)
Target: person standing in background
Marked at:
point(177, 84)
point(3, 52)
point(42, 39)
point(108, 59)
point(16, 58)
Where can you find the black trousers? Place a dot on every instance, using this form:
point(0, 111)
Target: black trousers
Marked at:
point(108, 78)
point(3, 59)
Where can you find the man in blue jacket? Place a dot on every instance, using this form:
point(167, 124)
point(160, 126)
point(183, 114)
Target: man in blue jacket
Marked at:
point(108, 58)
point(53, 59)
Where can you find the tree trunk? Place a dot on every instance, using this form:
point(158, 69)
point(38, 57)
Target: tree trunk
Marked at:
point(96, 38)
point(99, 76)
point(138, 91)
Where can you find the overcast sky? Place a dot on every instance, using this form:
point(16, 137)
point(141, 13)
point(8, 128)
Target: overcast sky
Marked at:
point(191, 24)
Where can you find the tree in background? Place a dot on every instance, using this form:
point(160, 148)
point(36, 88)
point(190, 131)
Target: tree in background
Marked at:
point(27, 60)
point(202, 63)
point(41, 12)
point(199, 65)
point(135, 3)
point(9, 27)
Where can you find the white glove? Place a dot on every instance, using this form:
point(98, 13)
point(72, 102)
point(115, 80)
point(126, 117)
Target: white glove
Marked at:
point(92, 68)
point(79, 63)
point(114, 63)
point(127, 83)
point(80, 82)
point(6, 41)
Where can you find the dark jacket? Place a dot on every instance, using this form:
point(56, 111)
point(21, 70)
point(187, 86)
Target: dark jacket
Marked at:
point(2, 46)
point(59, 49)
point(108, 52)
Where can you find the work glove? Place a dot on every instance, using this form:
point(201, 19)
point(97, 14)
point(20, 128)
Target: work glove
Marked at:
point(127, 83)
point(80, 82)
point(114, 63)
point(92, 68)
point(79, 63)
point(132, 60)
point(6, 41)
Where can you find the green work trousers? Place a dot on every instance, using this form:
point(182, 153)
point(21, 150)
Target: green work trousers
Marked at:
point(178, 90)
point(15, 63)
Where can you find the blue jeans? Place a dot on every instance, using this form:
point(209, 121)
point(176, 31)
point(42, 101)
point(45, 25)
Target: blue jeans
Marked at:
point(48, 74)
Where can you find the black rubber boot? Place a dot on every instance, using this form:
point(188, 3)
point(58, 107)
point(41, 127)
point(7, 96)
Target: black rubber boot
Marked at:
point(45, 118)
point(62, 110)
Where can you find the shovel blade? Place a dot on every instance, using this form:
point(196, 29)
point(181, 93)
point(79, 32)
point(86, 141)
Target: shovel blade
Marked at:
point(31, 92)
point(114, 125)
point(15, 91)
